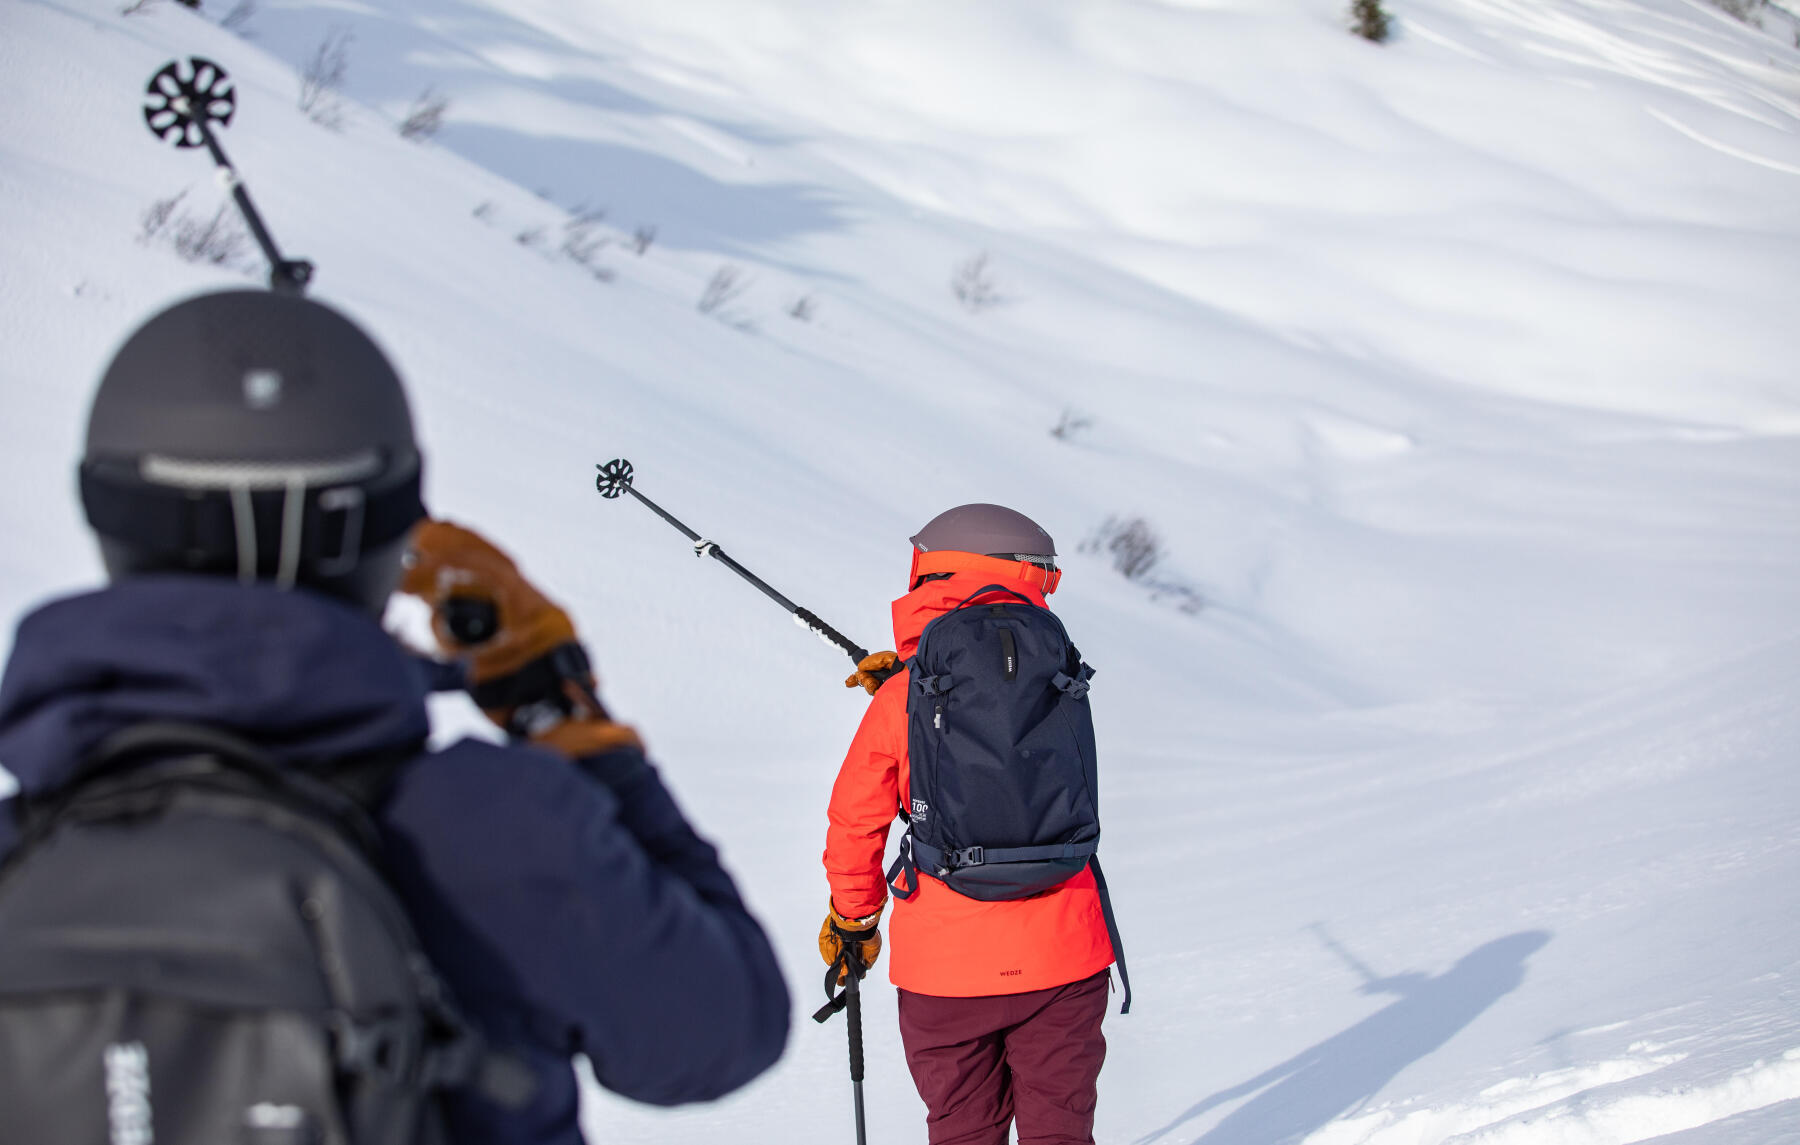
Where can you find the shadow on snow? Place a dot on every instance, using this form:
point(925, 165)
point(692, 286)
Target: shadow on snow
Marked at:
point(1310, 1089)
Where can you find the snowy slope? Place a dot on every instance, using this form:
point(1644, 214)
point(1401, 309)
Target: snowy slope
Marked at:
point(1456, 376)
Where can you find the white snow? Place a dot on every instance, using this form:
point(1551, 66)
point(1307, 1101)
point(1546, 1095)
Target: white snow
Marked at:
point(1456, 375)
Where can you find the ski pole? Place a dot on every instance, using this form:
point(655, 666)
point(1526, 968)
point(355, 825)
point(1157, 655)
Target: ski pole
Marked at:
point(853, 1015)
point(850, 1001)
point(615, 480)
point(180, 106)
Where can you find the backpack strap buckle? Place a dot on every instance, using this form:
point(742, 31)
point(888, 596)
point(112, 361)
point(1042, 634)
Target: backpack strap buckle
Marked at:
point(371, 1049)
point(933, 685)
point(967, 857)
point(1075, 687)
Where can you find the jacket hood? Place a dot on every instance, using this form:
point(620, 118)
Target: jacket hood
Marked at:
point(932, 599)
point(302, 675)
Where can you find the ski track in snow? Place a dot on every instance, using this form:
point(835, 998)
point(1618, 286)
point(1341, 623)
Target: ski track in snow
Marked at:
point(1585, 1106)
point(1723, 148)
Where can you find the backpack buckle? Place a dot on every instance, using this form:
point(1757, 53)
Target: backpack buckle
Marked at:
point(1075, 686)
point(378, 1049)
point(967, 857)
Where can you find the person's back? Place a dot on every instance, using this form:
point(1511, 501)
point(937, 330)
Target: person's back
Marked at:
point(253, 479)
point(1000, 998)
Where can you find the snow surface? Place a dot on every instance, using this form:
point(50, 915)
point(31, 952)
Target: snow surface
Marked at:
point(1456, 376)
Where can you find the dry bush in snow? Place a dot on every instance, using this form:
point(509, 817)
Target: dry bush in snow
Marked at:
point(426, 117)
point(322, 80)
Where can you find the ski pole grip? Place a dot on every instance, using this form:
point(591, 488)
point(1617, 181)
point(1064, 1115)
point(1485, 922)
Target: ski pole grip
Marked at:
point(807, 617)
point(856, 1035)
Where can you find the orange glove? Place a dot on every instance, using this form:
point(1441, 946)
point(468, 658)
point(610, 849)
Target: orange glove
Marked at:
point(860, 935)
point(457, 572)
point(872, 671)
point(526, 669)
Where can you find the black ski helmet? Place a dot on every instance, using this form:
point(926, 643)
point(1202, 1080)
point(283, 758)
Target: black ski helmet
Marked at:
point(257, 435)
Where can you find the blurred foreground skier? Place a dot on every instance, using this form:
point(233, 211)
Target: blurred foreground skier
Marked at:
point(1001, 933)
point(191, 947)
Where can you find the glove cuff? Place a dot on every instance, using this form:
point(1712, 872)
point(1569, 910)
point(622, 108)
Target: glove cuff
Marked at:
point(538, 681)
point(580, 738)
point(854, 927)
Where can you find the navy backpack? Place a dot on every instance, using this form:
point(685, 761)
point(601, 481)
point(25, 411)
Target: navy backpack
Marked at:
point(1004, 801)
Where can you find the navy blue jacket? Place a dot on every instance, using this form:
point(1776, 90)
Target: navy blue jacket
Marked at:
point(570, 906)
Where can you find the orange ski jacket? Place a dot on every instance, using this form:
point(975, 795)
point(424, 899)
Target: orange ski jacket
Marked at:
point(943, 943)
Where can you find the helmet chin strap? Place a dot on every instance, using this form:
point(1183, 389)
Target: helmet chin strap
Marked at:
point(243, 520)
point(293, 519)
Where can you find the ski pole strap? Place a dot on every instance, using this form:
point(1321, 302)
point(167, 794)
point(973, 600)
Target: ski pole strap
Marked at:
point(943, 862)
point(836, 999)
point(1112, 931)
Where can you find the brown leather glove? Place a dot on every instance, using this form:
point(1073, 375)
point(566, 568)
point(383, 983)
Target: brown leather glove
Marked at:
point(527, 671)
point(860, 935)
point(872, 671)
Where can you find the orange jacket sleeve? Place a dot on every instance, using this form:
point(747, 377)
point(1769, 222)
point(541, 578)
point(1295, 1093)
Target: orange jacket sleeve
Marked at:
point(864, 801)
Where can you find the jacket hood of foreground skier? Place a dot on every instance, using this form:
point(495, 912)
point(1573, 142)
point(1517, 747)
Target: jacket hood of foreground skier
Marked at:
point(307, 677)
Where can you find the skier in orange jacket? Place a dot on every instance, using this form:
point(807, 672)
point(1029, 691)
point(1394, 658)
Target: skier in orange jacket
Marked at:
point(1000, 1002)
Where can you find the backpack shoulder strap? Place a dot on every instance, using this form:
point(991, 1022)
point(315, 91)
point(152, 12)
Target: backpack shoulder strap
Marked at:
point(131, 763)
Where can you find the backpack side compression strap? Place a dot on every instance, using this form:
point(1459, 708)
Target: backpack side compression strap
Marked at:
point(1112, 932)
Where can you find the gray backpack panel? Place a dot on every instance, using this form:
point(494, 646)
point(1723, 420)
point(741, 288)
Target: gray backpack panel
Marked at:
point(199, 949)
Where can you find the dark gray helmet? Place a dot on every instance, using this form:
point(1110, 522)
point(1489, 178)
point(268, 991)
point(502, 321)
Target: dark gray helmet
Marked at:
point(991, 530)
point(258, 435)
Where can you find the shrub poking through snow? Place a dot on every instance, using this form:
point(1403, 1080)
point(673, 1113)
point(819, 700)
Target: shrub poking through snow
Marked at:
point(1136, 550)
point(322, 80)
point(582, 241)
point(1370, 21)
point(217, 241)
point(1070, 424)
point(426, 117)
point(973, 284)
point(727, 285)
point(158, 215)
point(237, 21)
point(1131, 542)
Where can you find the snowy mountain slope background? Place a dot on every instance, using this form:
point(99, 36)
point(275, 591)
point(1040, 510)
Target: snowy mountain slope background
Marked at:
point(1456, 377)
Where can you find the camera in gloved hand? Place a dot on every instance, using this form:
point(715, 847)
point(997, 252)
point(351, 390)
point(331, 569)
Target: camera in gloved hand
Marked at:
point(527, 670)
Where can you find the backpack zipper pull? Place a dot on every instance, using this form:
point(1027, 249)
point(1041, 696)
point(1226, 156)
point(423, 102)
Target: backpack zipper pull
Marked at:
point(937, 717)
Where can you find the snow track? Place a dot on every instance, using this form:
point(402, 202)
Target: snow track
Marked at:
point(1593, 1105)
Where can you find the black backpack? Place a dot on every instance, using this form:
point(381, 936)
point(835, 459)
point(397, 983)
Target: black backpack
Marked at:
point(1004, 799)
point(197, 946)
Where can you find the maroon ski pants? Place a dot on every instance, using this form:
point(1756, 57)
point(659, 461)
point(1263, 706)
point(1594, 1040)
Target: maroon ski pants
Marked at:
point(981, 1062)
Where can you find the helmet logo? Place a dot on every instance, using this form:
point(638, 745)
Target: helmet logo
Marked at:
point(262, 389)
